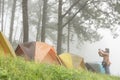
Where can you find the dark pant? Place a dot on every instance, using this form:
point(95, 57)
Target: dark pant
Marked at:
point(107, 70)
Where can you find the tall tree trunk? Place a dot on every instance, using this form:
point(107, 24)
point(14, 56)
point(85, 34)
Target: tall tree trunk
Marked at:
point(25, 21)
point(12, 20)
point(59, 35)
point(0, 10)
point(6, 16)
point(69, 25)
point(2, 22)
point(61, 25)
point(44, 21)
point(21, 37)
point(39, 23)
point(16, 29)
point(68, 38)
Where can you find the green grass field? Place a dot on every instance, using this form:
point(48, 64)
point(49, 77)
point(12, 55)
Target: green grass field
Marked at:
point(18, 69)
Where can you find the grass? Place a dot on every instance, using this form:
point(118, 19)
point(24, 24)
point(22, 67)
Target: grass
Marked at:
point(18, 69)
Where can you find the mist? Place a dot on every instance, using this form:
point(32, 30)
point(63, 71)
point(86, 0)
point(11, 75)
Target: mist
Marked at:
point(90, 51)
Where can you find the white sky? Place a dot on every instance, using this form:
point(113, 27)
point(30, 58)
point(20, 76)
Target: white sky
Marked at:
point(89, 51)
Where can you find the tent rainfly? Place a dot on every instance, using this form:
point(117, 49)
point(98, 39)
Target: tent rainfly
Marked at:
point(5, 46)
point(38, 51)
point(72, 61)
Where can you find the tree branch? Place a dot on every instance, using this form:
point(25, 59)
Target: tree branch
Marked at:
point(75, 14)
point(70, 8)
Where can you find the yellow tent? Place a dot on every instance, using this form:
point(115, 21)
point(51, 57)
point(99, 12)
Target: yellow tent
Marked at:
point(5, 46)
point(66, 59)
point(78, 61)
point(72, 60)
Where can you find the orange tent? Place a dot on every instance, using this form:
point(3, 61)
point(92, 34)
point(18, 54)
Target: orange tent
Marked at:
point(38, 51)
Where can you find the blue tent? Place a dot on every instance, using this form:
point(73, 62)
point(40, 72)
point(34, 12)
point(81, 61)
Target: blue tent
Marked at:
point(95, 67)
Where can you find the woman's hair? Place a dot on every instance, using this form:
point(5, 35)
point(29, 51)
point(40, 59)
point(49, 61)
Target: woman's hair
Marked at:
point(107, 50)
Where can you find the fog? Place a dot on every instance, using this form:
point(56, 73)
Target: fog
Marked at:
point(90, 51)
